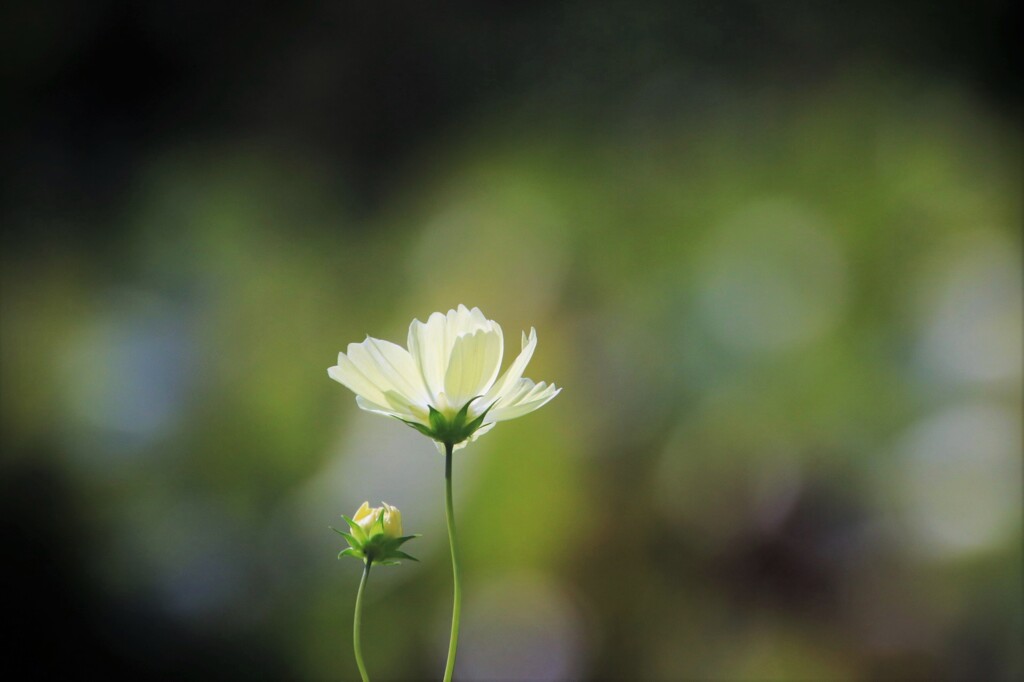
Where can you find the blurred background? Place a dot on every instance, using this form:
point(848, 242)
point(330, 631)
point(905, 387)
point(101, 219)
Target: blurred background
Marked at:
point(772, 251)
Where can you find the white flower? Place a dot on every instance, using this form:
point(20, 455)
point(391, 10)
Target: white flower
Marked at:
point(446, 384)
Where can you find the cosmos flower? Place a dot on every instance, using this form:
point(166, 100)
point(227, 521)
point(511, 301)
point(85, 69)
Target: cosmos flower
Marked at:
point(447, 384)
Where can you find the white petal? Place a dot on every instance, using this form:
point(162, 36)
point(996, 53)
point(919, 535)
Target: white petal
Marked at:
point(365, 404)
point(372, 394)
point(458, 322)
point(431, 344)
point(523, 398)
point(429, 348)
point(408, 409)
point(497, 339)
point(477, 319)
point(389, 368)
point(473, 364)
point(349, 375)
point(398, 366)
point(515, 371)
point(366, 364)
point(462, 321)
point(396, 406)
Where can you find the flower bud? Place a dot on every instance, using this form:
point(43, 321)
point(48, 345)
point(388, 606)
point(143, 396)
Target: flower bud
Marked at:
point(392, 521)
point(377, 520)
point(376, 534)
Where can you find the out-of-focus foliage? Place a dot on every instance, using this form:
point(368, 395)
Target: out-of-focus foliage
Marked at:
point(788, 325)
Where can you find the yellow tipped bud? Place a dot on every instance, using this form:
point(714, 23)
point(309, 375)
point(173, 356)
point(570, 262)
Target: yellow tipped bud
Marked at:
point(373, 524)
point(376, 535)
point(392, 521)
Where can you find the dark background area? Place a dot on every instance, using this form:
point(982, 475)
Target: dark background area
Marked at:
point(95, 88)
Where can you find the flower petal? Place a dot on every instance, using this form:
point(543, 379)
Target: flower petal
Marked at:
point(523, 398)
point(349, 375)
point(397, 406)
point(429, 348)
point(462, 321)
point(515, 371)
point(401, 370)
point(389, 367)
point(369, 406)
point(473, 365)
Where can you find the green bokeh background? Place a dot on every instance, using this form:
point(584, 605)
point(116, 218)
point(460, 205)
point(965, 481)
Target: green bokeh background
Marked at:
point(779, 282)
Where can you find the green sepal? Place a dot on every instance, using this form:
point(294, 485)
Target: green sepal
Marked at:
point(357, 530)
point(352, 552)
point(454, 431)
point(472, 427)
point(387, 546)
point(425, 430)
point(457, 430)
point(403, 555)
point(460, 419)
point(374, 547)
point(348, 537)
point(398, 542)
point(438, 424)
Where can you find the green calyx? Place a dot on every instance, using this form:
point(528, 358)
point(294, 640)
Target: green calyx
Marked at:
point(375, 547)
point(451, 431)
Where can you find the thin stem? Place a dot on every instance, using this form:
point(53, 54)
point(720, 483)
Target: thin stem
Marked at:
point(453, 643)
point(357, 622)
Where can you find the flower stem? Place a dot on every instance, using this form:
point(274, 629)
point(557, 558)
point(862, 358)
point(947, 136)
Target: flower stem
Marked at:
point(453, 642)
point(358, 621)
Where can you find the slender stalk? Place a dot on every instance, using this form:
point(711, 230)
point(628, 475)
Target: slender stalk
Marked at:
point(358, 621)
point(453, 642)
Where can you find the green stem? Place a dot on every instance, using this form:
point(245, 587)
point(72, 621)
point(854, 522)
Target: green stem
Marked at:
point(453, 643)
point(358, 621)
